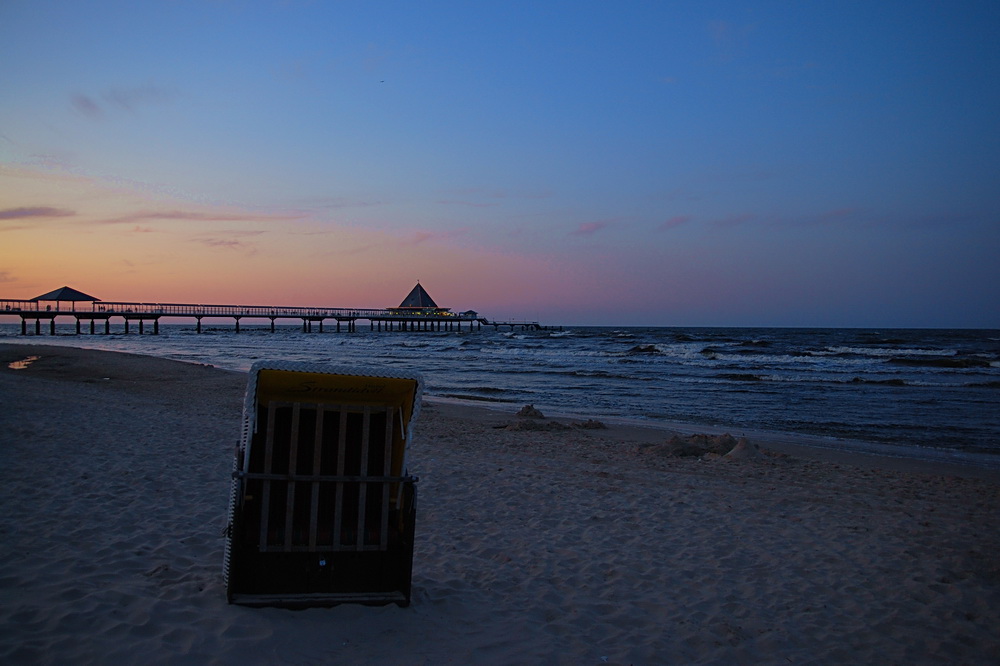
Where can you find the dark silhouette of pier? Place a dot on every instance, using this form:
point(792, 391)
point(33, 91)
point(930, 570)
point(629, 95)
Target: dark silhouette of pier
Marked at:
point(417, 312)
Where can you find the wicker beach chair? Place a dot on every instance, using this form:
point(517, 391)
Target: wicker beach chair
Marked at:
point(322, 508)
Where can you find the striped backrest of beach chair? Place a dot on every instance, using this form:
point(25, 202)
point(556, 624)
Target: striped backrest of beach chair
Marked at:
point(320, 476)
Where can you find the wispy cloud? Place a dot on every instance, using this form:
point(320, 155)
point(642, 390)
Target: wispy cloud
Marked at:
point(465, 194)
point(478, 192)
point(789, 70)
point(422, 236)
point(729, 39)
point(836, 215)
point(32, 212)
point(232, 243)
point(198, 216)
point(474, 204)
point(337, 203)
point(360, 249)
point(5, 277)
point(86, 105)
point(231, 240)
point(589, 228)
point(829, 218)
point(375, 58)
point(129, 99)
point(674, 222)
point(734, 220)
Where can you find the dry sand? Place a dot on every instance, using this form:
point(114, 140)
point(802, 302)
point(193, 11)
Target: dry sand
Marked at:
point(533, 546)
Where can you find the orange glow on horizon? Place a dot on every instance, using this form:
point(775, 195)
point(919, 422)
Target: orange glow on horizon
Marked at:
point(120, 244)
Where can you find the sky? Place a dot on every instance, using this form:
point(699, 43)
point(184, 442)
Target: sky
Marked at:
point(710, 163)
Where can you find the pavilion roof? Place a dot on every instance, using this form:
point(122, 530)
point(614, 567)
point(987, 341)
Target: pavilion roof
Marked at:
point(418, 298)
point(65, 294)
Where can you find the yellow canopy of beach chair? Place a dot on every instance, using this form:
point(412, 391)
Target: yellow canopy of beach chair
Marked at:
point(322, 508)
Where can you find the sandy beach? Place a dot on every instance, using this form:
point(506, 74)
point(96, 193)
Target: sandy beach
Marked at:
point(554, 546)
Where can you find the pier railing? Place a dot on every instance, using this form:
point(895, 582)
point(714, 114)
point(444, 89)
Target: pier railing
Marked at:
point(261, 311)
point(123, 308)
point(401, 318)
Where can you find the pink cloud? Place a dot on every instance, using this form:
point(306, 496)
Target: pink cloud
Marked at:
point(589, 228)
point(128, 99)
point(229, 239)
point(132, 98)
point(478, 192)
point(446, 202)
point(337, 203)
point(221, 242)
point(193, 216)
point(85, 105)
point(734, 220)
point(729, 38)
point(419, 237)
point(836, 214)
point(39, 211)
point(464, 194)
point(674, 222)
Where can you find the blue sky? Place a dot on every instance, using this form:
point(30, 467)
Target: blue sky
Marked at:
point(701, 163)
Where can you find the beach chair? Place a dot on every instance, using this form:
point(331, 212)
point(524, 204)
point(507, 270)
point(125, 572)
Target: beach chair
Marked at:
point(322, 508)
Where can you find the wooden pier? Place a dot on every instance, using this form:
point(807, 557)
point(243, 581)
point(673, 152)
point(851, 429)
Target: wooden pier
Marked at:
point(98, 315)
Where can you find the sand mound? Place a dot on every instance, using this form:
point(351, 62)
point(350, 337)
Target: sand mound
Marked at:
point(705, 447)
point(529, 412)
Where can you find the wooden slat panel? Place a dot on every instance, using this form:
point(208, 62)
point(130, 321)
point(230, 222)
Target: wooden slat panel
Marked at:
point(386, 470)
point(317, 460)
point(265, 500)
point(293, 455)
point(358, 492)
point(363, 486)
point(338, 517)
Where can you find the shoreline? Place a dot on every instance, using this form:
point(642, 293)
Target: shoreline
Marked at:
point(830, 449)
point(568, 546)
point(830, 383)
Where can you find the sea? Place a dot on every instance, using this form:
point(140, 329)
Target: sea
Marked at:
point(931, 394)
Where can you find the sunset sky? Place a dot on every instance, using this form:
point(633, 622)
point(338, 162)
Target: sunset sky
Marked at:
point(606, 163)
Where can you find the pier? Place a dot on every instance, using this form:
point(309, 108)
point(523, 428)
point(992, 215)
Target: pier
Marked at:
point(417, 313)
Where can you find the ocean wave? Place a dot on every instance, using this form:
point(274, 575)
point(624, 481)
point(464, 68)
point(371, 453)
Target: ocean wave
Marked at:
point(603, 374)
point(756, 343)
point(938, 362)
point(765, 360)
point(882, 352)
point(884, 382)
point(741, 377)
point(477, 398)
point(644, 349)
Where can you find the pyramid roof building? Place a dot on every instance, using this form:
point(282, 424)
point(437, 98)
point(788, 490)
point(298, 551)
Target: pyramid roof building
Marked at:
point(419, 298)
point(65, 294)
